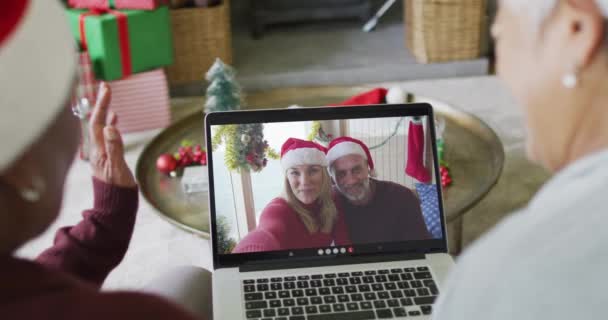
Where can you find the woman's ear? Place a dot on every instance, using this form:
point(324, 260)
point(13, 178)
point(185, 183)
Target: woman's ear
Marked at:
point(586, 28)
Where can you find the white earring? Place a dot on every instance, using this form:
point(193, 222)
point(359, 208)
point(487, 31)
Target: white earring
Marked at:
point(34, 193)
point(570, 79)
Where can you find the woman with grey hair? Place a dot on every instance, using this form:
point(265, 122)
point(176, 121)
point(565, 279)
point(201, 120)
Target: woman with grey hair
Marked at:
point(548, 261)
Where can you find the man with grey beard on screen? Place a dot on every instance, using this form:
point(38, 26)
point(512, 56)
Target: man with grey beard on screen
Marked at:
point(375, 211)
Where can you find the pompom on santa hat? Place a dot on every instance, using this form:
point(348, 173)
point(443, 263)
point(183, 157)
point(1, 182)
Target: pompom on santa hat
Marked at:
point(37, 72)
point(344, 146)
point(297, 152)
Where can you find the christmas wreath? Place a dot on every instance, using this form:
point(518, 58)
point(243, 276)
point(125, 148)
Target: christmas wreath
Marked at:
point(246, 148)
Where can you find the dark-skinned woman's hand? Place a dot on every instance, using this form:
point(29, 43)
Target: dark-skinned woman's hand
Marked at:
point(107, 153)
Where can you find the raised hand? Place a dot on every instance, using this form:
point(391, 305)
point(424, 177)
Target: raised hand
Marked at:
point(107, 156)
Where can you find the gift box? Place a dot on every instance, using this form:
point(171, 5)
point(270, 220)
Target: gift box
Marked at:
point(141, 101)
point(117, 4)
point(124, 42)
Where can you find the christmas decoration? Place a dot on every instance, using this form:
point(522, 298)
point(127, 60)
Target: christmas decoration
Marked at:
point(123, 42)
point(444, 170)
point(141, 101)
point(396, 95)
point(246, 148)
point(186, 155)
point(223, 93)
point(374, 96)
point(446, 180)
point(415, 153)
point(166, 163)
point(318, 134)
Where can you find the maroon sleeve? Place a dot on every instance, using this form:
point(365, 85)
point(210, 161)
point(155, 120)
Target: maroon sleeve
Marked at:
point(96, 245)
point(271, 232)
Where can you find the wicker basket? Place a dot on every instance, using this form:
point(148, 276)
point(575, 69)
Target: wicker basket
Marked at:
point(199, 36)
point(444, 30)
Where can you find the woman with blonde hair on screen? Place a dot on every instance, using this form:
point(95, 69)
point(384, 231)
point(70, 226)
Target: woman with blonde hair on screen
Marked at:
point(306, 216)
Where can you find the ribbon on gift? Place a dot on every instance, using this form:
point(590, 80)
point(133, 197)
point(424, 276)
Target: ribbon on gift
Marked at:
point(123, 36)
point(111, 4)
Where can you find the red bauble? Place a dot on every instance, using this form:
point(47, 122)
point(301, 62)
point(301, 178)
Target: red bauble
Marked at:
point(166, 163)
point(185, 160)
point(203, 159)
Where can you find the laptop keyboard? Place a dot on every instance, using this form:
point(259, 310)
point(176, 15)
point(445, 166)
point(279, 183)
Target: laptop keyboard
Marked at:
point(372, 294)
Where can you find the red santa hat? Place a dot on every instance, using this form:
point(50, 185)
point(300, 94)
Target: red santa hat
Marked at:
point(37, 71)
point(296, 152)
point(392, 95)
point(343, 146)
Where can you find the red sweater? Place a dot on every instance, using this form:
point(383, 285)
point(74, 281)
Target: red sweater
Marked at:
point(280, 228)
point(64, 282)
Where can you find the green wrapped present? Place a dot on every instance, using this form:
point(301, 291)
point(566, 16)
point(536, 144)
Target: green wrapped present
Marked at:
point(123, 42)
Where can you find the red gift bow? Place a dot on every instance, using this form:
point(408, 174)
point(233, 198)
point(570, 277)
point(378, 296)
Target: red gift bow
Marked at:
point(123, 36)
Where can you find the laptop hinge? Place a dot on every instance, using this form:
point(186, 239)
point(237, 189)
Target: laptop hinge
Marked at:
point(328, 261)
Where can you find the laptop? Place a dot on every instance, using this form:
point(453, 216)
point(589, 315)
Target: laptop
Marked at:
point(367, 277)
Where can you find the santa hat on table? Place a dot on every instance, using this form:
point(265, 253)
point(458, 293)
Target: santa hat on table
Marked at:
point(37, 72)
point(296, 152)
point(394, 95)
point(343, 146)
point(376, 96)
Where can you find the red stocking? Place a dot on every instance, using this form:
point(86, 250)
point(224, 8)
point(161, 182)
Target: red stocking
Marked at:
point(415, 153)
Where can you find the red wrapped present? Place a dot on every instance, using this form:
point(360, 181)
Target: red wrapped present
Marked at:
point(117, 4)
point(141, 101)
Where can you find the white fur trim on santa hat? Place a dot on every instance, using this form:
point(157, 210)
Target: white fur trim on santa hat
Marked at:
point(37, 72)
point(303, 156)
point(343, 149)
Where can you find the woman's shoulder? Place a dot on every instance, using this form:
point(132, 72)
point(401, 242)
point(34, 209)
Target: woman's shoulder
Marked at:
point(277, 208)
point(278, 202)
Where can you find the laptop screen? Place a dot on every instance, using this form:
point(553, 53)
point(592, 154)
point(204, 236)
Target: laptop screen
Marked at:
point(323, 183)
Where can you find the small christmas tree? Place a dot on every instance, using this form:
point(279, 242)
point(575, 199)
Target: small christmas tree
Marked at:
point(223, 93)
